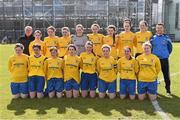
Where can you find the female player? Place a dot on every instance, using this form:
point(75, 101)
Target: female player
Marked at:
point(64, 41)
point(142, 36)
point(127, 68)
point(54, 74)
point(50, 41)
point(149, 68)
point(37, 35)
point(36, 73)
point(79, 39)
point(88, 75)
point(107, 70)
point(111, 39)
point(71, 72)
point(96, 38)
point(126, 38)
point(18, 67)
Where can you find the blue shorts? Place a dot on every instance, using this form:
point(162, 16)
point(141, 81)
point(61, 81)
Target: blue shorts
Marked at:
point(36, 84)
point(147, 87)
point(88, 81)
point(19, 88)
point(104, 86)
point(55, 84)
point(71, 85)
point(127, 87)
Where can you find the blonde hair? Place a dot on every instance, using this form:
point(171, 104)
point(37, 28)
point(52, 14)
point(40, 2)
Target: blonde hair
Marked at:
point(147, 43)
point(65, 28)
point(19, 45)
point(38, 31)
point(51, 28)
point(106, 46)
point(80, 26)
point(95, 24)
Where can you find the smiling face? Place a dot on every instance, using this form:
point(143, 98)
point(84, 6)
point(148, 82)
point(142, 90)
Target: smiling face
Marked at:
point(147, 49)
point(110, 31)
point(18, 50)
point(54, 53)
point(106, 52)
point(127, 26)
point(94, 29)
point(160, 29)
point(142, 26)
point(36, 50)
point(79, 31)
point(37, 36)
point(127, 52)
point(50, 32)
point(71, 51)
point(28, 31)
point(89, 48)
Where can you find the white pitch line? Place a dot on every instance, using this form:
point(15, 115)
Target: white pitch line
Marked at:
point(171, 75)
point(159, 110)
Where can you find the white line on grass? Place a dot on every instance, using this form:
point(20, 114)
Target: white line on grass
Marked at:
point(173, 74)
point(159, 110)
point(156, 106)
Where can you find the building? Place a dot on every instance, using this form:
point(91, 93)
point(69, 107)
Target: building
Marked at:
point(172, 18)
point(16, 14)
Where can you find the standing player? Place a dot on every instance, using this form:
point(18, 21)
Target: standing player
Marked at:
point(126, 38)
point(107, 69)
point(111, 39)
point(142, 36)
point(97, 39)
point(64, 41)
point(71, 72)
point(162, 47)
point(50, 41)
point(88, 75)
point(36, 73)
point(149, 68)
point(18, 67)
point(54, 74)
point(79, 39)
point(128, 68)
point(37, 35)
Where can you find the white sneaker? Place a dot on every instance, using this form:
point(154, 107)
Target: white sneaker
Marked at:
point(169, 95)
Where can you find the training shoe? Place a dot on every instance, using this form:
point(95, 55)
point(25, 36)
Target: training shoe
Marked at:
point(169, 95)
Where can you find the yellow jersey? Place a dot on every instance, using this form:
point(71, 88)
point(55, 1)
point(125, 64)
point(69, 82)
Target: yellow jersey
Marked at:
point(109, 40)
point(39, 42)
point(126, 39)
point(107, 69)
point(97, 40)
point(63, 44)
point(88, 62)
point(142, 37)
point(36, 66)
point(18, 67)
point(127, 68)
point(149, 67)
point(50, 42)
point(71, 68)
point(54, 68)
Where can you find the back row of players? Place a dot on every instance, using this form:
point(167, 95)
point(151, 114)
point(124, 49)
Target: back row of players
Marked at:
point(101, 57)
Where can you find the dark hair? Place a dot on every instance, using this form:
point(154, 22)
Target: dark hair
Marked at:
point(36, 46)
point(19, 45)
point(73, 46)
point(127, 47)
point(114, 35)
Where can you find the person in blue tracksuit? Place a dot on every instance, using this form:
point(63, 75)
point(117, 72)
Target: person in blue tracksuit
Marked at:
point(162, 47)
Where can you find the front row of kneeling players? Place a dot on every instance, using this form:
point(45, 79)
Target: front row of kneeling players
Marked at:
point(29, 73)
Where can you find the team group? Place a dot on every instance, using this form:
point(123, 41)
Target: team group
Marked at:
point(83, 63)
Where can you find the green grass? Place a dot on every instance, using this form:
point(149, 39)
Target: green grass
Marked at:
point(86, 108)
